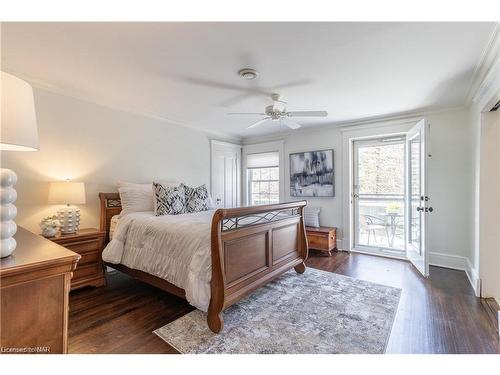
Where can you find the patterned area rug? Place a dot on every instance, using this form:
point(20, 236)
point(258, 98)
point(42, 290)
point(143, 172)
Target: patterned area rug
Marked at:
point(316, 312)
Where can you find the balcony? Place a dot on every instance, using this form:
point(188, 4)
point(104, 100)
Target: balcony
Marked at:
point(381, 221)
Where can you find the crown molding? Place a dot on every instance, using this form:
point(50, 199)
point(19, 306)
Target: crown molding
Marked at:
point(45, 86)
point(375, 121)
point(487, 66)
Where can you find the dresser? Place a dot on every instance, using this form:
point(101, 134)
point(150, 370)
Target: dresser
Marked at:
point(322, 238)
point(89, 244)
point(35, 283)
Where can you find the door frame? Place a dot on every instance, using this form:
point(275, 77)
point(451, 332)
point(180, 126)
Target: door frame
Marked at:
point(349, 133)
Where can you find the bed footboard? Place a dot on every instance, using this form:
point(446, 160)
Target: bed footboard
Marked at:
point(250, 247)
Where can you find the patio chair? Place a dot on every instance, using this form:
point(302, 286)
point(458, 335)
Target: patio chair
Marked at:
point(373, 223)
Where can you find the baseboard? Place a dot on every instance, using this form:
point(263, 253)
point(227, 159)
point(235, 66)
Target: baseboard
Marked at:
point(341, 244)
point(455, 262)
point(473, 277)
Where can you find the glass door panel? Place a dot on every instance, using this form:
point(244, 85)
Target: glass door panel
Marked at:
point(379, 195)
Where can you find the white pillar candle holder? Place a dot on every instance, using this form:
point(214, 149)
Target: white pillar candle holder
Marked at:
point(8, 196)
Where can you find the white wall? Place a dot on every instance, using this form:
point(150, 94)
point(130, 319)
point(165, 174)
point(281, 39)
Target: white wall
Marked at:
point(98, 145)
point(450, 170)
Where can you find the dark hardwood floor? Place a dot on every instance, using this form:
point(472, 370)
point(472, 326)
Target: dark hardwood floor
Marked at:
point(435, 315)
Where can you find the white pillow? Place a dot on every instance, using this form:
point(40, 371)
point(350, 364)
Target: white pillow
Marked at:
point(148, 184)
point(121, 184)
point(311, 216)
point(136, 199)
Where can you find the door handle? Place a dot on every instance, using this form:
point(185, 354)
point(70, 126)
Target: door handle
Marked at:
point(426, 209)
point(355, 195)
point(218, 200)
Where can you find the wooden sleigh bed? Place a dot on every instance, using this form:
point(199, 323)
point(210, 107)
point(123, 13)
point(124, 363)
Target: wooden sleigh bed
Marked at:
point(250, 246)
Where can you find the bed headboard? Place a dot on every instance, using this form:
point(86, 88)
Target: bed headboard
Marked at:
point(111, 205)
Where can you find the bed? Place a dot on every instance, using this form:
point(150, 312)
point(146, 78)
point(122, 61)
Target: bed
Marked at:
point(246, 248)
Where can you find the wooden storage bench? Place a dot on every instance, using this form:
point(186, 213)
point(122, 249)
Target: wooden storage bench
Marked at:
point(322, 238)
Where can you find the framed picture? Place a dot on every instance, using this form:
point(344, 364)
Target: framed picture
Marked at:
point(311, 174)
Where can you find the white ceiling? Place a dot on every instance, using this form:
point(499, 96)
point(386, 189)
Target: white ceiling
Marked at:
point(187, 72)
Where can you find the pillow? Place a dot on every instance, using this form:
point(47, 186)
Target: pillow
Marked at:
point(121, 184)
point(169, 200)
point(311, 216)
point(136, 199)
point(197, 199)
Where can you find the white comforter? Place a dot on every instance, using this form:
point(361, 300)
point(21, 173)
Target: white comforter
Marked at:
point(173, 247)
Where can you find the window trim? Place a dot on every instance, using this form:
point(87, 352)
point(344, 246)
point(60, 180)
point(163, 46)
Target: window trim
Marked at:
point(275, 146)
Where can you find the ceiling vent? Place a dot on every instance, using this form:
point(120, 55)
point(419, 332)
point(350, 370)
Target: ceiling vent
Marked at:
point(248, 73)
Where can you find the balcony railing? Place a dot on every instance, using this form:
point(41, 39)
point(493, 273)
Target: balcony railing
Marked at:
point(381, 220)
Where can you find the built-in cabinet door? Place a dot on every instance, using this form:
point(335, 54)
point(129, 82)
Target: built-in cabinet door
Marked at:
point(226, 174)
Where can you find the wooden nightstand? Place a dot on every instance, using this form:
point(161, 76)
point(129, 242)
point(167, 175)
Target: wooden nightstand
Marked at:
point(322, 238)
point(90, 270)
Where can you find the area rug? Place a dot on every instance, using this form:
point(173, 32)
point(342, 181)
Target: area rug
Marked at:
point(316, 312)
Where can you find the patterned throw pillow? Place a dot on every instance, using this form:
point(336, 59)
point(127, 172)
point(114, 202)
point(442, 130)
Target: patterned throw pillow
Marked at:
point(169, 200)
point(197, 199)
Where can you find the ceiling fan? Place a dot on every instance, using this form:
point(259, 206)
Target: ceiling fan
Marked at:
point(278, 112)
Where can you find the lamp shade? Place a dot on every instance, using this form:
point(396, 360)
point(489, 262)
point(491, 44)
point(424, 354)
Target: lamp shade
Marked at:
point(18, 127)
point(67, 193)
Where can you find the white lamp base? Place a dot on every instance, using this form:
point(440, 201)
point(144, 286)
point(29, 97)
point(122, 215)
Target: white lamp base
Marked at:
point(8, 196)
point(69, 217)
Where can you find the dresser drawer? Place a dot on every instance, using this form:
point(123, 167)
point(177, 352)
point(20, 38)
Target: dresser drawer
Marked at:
point(89, 257)
point(87, 242)
point(86, 271)
point(83, 246)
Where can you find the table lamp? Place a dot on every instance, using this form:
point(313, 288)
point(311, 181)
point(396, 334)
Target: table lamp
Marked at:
point(67, 193)
point(18, 133)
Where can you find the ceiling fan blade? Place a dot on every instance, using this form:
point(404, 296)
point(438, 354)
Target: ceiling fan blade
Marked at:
point(246, 113)
point(291, 124)
point(308, 114)
point(300, 82)
point(256, 123)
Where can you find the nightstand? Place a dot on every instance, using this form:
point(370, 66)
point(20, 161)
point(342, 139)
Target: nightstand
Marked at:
point(90, 270)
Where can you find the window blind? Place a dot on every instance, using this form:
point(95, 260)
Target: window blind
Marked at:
point(263, 160)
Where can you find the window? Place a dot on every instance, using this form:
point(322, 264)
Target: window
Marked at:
point(263, 178)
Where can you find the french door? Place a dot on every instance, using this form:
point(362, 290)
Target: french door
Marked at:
point(417, 197)
point(389, 196)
